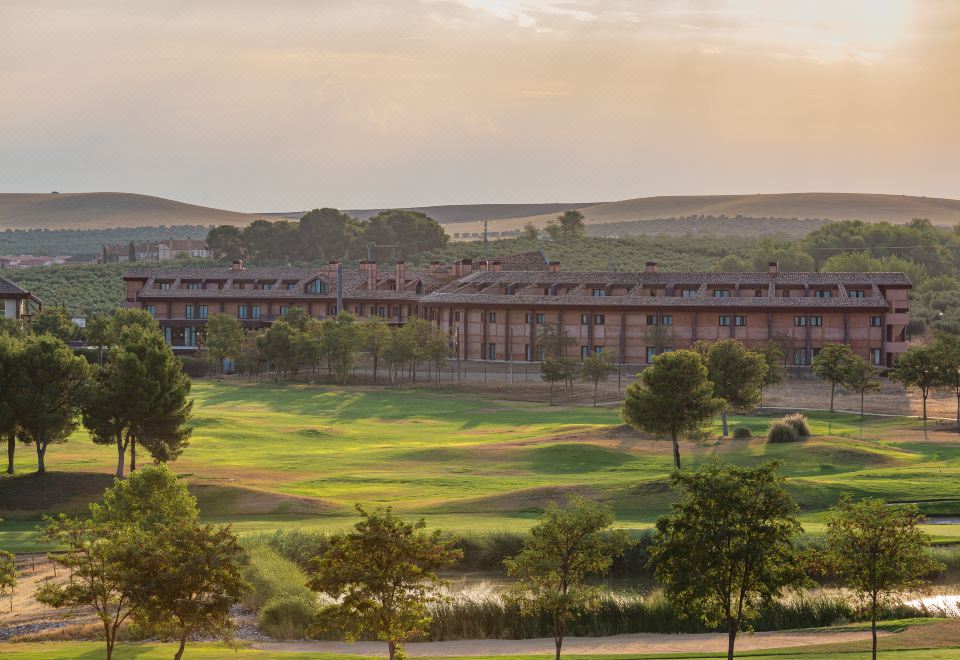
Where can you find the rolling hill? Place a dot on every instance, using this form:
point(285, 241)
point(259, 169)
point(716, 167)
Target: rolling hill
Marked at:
point(103, 210)
point(825, 206)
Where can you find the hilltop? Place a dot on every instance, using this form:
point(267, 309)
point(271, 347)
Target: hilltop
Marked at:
point(102, 210)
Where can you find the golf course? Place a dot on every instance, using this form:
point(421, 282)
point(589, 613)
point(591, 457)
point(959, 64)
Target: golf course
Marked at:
point(266, 456)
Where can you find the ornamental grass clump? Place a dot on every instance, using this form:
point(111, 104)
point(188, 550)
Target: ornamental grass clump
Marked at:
point(799, 423)
point(780, 431)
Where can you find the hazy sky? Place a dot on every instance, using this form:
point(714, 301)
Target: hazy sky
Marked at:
point(285, 104)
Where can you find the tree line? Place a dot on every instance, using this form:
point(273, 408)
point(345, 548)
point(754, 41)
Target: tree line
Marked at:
point(136, 395)
point(329, 234)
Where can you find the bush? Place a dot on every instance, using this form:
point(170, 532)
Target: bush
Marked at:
point(287, 616)
point(271, 575)
point(780, 431)
point(742, 432)
point(799, 423)
point(193, 366)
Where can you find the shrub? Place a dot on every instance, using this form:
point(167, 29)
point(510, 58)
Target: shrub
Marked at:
point(780, 431)
point(271, 575)
point(287, 616)
point(742, 432)
point(193, 366)
point(799, 423)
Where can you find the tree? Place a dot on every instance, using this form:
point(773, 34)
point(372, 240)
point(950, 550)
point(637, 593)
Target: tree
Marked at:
point(437, 350)
point(861, 377)
point(186, 579)
point(54, 321)
point(530, 232)
point(831, 364)
point(673, 397)
point(224, 340)
point(917, 367)
point(595, 368)
point(947, 349)
point(727, 547)
point(340, 341)
point(566, 226)
point(382, 576)
point(277, 344)
point(251, 354)
point(774, 358)
point(566, 547)
point(326, 233)
point(737, 375)
point(226, 242)
point(10, 348)
point(554, 370)
point(374, 337)
point(151, 499)
point(554, 340)
point(48, 392)
point(878, 551)
point(400, 349)
point(8, 575)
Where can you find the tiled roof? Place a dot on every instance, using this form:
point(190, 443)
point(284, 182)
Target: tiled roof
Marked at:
point(869, 302)
point(682, 278)
point(8, 288)
point(530, 261)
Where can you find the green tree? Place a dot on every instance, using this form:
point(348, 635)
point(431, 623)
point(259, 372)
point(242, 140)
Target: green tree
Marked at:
point(399, 350)
point(186, 580)
point(565, 549)
point(224, 340)
point(374, 337)
point(554, 370)
point(861, 377)
point(947, 349)
point(415, 231)
point(326, 233)
point(554, 340)
point(226, 242)
point(832, 364)
point(48, 393)
point(151, 499)
point(10, 348)
point(530, 232)
point(437, 350)
point(277, 344)
point(774, 358)
point(918, 367)
point(673, 397)
point(8, 575)
point(595, 368)
point(737, 375)
point(878, 551)
point(382, 576)
point(341, 339)
point(54, 321)
point(567, 226)
point(727, 547)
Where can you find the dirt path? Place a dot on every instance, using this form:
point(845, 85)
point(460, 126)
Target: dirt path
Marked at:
point(645, 643)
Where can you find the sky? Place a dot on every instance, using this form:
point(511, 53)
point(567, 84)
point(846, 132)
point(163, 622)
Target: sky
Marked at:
point(293, 104)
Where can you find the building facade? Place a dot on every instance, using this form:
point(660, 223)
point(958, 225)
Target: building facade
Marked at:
point(17, 303)
point(493, 310)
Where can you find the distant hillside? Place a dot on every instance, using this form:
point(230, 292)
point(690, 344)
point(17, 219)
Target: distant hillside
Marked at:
point(822, 206)
point(106, 210)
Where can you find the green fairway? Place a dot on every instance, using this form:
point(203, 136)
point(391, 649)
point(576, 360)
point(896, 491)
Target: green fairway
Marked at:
point(267, 456)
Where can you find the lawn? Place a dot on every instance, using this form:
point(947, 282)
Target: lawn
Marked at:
point(267, 456)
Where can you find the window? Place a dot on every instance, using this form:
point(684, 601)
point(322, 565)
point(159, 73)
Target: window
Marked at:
point(653, 293)
point(688, 293)
point(358, 309)
point(188, 311)
point(740, 321)
point(584, 319)
point(493, 317)
point(600, 293)
point(651, 319)
point(526, 353)
point(876, 322)
point(255, 311)
point(492, 351)
point(541, 318)
point(875, 356)
point(203, 312)
point(667, 319)
point(263, 286)
point(651, 353)
point(721, 293)
point(856, 293)
point(584, 352)
point(291, 286)
point(152, 310)
point(284, 309)
point(456, 316)
point(317, 286)
point(598, 319)
point(242, 312)
point(757, 293)
point(193, 285)
point(164, 286)
point(822, 293)
point(816, 321)
point(527, 317)
point(598, 350)
point(190, 336)
point(724, 320)
point(799, 356)
point(799, 320)
point(383, 311)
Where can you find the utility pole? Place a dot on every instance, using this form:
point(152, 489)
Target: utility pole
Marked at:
point(486, 253)
point(370, 247)
point(610, 239)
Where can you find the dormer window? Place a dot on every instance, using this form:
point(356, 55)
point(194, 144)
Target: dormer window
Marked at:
point(599, 293)
point(856, 293)
point(823, 293)
point(721, 293)
point(317, 286)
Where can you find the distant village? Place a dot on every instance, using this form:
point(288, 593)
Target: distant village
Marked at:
point(168, 250)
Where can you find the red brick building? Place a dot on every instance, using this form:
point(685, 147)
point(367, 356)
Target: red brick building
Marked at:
point(491, 310)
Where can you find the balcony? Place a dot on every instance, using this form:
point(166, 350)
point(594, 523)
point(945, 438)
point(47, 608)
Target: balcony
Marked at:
point(898, 318)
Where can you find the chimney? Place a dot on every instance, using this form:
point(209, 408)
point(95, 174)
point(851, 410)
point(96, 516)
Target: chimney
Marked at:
point(773, 267)
point(434, 267)
point(484, 265)
point(401, 275)
point(370, 268)
point(554, 267)
point(466, 266)
point(331, 268)
point(652, 267)
point(237, 265)
point(496, 266)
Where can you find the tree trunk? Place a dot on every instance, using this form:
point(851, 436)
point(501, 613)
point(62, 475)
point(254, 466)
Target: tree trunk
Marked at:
point(392, 650)
point(183, 643)
point(109, 638)
point(41, 451)
point(12, 447)
point(595, 386)
point(133, 454)
point(558, 641)
point(375, 360)
point(551, 392)
point(924, 406)
point(833, 386)
point(873, 626)
point(958, 413)
point(731, 638)
point(723, 421)
point(676, 452)
point(121, 455)
point(861, 405)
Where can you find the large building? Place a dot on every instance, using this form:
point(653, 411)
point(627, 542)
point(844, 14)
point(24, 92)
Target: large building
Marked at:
point(16, 302)
point(493, 309)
